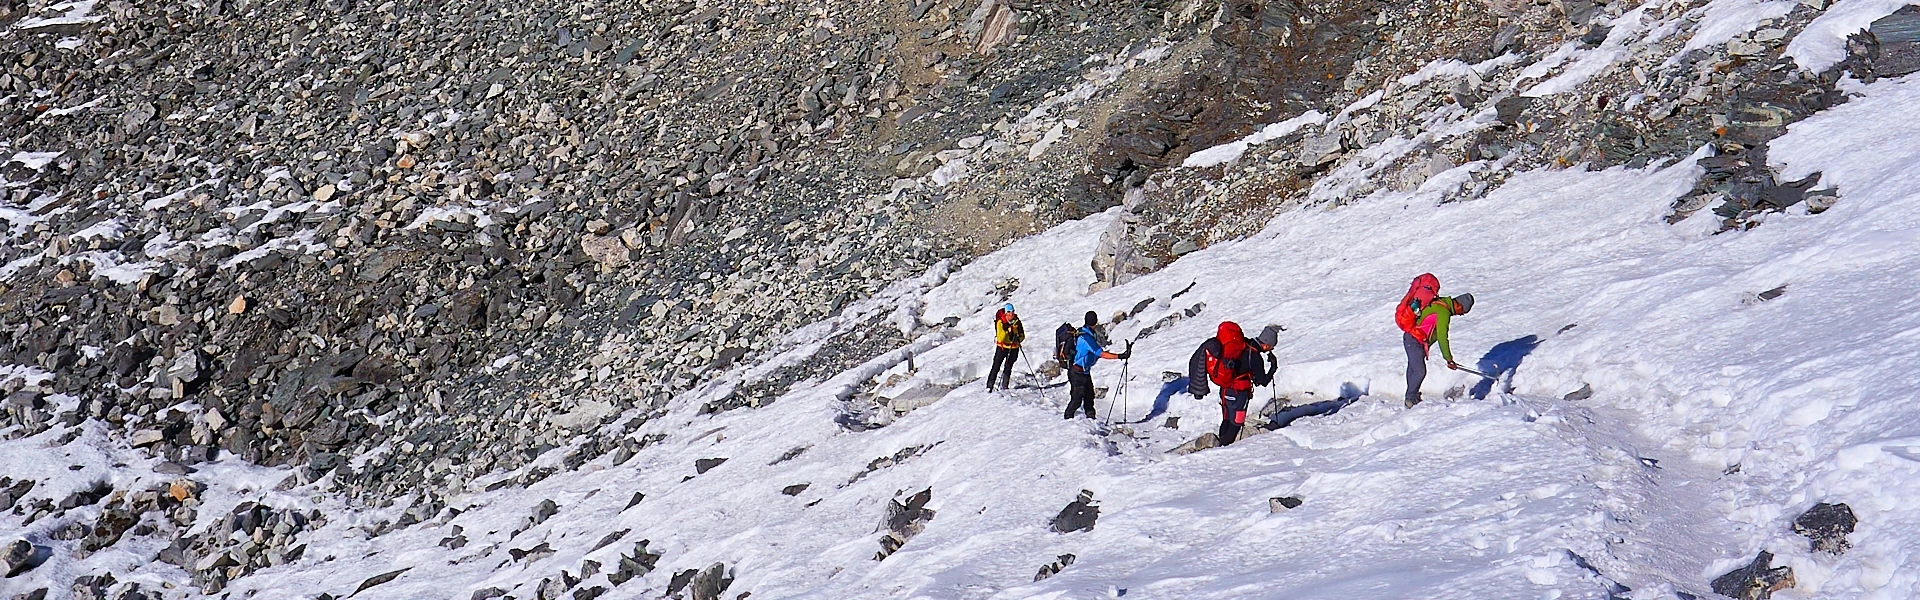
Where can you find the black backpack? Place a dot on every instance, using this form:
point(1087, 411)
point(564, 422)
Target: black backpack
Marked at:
point(1065, 342)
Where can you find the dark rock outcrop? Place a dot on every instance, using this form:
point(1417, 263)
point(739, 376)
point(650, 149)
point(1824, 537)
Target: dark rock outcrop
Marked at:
point(1079, 515)
point(1054, 568)
point(1826, 527)
point(1756, 581)
point(904, 520)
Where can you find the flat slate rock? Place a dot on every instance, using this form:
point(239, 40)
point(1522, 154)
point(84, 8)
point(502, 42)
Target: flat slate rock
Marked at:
point(379, 579)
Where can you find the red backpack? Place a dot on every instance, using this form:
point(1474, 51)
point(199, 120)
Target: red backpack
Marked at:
point(1425, 288)
point(1223, 370)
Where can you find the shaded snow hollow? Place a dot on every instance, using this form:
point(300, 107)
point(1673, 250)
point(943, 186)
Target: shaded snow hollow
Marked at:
point(1516, 494)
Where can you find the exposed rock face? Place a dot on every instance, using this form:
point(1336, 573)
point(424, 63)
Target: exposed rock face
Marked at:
point(1890, 47)
point(1272, 59)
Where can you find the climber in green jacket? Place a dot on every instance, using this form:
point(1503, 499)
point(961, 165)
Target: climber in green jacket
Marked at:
point(1430, 325)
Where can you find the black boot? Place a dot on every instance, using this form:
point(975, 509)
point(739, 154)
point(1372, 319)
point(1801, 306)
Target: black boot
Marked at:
point(1229, 431)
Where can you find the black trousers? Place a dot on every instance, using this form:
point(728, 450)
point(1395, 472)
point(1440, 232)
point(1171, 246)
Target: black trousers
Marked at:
point(1003, 359)
point(1080, 392)
point(1233, 414)
point(1416, 366)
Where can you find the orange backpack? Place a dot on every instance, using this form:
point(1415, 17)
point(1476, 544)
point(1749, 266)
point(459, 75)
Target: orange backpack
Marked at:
point(1425, 288)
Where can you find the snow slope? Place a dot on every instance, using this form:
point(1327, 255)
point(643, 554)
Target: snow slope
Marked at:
point(1715, 419)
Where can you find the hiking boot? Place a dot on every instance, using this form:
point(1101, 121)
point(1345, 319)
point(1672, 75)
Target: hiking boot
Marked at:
point(1412, 401)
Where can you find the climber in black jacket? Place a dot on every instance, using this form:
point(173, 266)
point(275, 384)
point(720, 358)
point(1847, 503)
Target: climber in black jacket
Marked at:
point(1231, 361)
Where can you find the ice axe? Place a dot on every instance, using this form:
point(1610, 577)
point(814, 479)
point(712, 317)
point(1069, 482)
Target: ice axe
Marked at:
point(1459, 368)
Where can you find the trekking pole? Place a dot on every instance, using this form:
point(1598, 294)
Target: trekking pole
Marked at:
point(1031, 372)
point(1126, 375)
point(1113, 398)
point(1108, 418)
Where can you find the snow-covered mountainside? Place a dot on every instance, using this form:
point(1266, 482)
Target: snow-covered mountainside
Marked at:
point(1695, 301)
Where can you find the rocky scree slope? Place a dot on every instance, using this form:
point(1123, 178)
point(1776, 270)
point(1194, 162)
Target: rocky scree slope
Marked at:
point(322, 228)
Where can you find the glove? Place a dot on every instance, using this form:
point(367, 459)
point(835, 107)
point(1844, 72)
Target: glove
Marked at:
point(1127, 354)
point(1453, 365)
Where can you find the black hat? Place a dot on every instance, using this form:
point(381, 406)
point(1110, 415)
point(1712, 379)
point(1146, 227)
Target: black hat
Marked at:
point(1093, 319)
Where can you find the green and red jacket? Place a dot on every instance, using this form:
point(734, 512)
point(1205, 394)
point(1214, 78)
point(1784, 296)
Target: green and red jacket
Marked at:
point(1432, 322)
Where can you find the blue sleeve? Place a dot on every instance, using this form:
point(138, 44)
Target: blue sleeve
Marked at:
point(1089, 352)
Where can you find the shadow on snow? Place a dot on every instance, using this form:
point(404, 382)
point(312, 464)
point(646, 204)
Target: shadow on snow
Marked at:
point(1501, 361)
